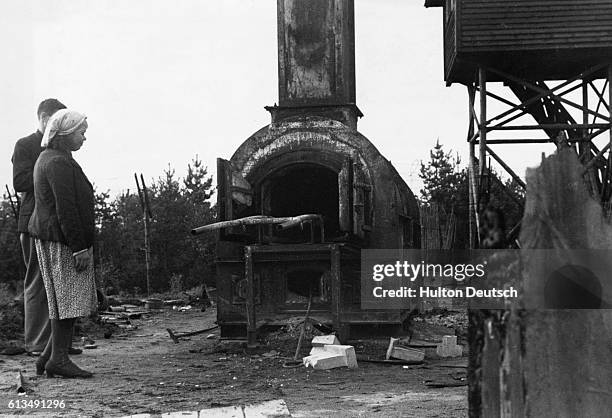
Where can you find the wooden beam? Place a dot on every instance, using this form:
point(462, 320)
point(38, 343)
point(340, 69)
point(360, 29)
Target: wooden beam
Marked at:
point(520, 141)
point(336, 289)
point(507, 168)
point(549, 93)
point(549, 126)
point(542, 94)
point(473, 192)
point(605, 181)
point(482, 85)
point(250, 299)
point(471, 111)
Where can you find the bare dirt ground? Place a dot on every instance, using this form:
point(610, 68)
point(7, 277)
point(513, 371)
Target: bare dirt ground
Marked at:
point(143, 371)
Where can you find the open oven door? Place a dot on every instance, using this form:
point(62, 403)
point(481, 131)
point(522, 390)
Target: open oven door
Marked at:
point(234, 200)
point(345, 196)
point(355, 199)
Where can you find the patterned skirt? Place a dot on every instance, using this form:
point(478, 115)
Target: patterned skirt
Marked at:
point(70, 294)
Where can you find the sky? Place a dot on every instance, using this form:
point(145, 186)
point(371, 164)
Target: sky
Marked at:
point(163, 81)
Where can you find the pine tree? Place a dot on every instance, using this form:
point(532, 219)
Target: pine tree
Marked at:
point(445, 183)
point(442, 179)
point(197, 183)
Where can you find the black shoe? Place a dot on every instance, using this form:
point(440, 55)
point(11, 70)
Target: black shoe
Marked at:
point(74, 351)
point(40, 365)
point(66, 369)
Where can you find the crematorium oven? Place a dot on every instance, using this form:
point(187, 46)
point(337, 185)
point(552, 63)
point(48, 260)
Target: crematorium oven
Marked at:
point(301, 197)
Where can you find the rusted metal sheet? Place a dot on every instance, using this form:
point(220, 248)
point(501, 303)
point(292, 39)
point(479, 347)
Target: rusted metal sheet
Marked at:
point(316, 52)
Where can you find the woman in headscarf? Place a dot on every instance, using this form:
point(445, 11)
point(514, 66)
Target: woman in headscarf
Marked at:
point(63, 226)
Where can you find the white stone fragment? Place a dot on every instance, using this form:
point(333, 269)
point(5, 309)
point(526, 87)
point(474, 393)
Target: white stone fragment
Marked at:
point(449, 347)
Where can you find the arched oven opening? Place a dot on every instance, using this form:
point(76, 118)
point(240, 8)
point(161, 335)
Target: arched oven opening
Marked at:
point(303, 188)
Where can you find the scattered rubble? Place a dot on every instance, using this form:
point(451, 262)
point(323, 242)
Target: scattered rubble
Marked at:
point(21, 384)
point(276, 408)
point(329, 356)
point(399, 352)
point(449, 347)
point(321, 340)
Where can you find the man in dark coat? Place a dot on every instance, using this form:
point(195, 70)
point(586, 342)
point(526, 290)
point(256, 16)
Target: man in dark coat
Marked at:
point(37, 329)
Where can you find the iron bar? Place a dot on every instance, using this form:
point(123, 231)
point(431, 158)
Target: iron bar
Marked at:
point(284, 222)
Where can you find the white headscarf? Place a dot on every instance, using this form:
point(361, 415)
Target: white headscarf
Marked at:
point(62, 122)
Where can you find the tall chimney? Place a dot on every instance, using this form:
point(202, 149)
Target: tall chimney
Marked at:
point(316, 60)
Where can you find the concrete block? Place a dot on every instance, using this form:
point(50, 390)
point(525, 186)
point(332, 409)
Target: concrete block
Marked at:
point(321, 340)
point(407, 353)
point(324, 357)
point(403, 353)
point(223, 412)
point(392, 343)
point(181, 414)
point(276, 408)
point(325, 361)
point(449, 347)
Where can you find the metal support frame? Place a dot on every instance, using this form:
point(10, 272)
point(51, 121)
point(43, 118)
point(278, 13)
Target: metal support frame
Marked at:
point(548, 106)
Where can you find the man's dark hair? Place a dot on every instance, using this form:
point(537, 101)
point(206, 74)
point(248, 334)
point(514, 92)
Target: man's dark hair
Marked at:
point(50, 106)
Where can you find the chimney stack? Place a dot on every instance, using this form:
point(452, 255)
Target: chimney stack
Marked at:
point(316, 60)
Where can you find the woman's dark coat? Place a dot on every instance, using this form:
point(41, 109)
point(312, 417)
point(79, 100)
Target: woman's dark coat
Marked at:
point(64, 210)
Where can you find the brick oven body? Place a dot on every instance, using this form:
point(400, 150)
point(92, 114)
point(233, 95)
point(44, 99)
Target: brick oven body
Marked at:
point(308, 164)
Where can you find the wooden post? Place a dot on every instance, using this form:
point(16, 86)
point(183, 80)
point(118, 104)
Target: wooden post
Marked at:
point(146, 214)
point(482, 84)
point(608, 178)
point(490, 382)
point(336, 290)
point(473, 193)
point(471, 98)
point(147, 252)
point(565, 352)
point(584, 147)
point(14, 205)
point(250, 299)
